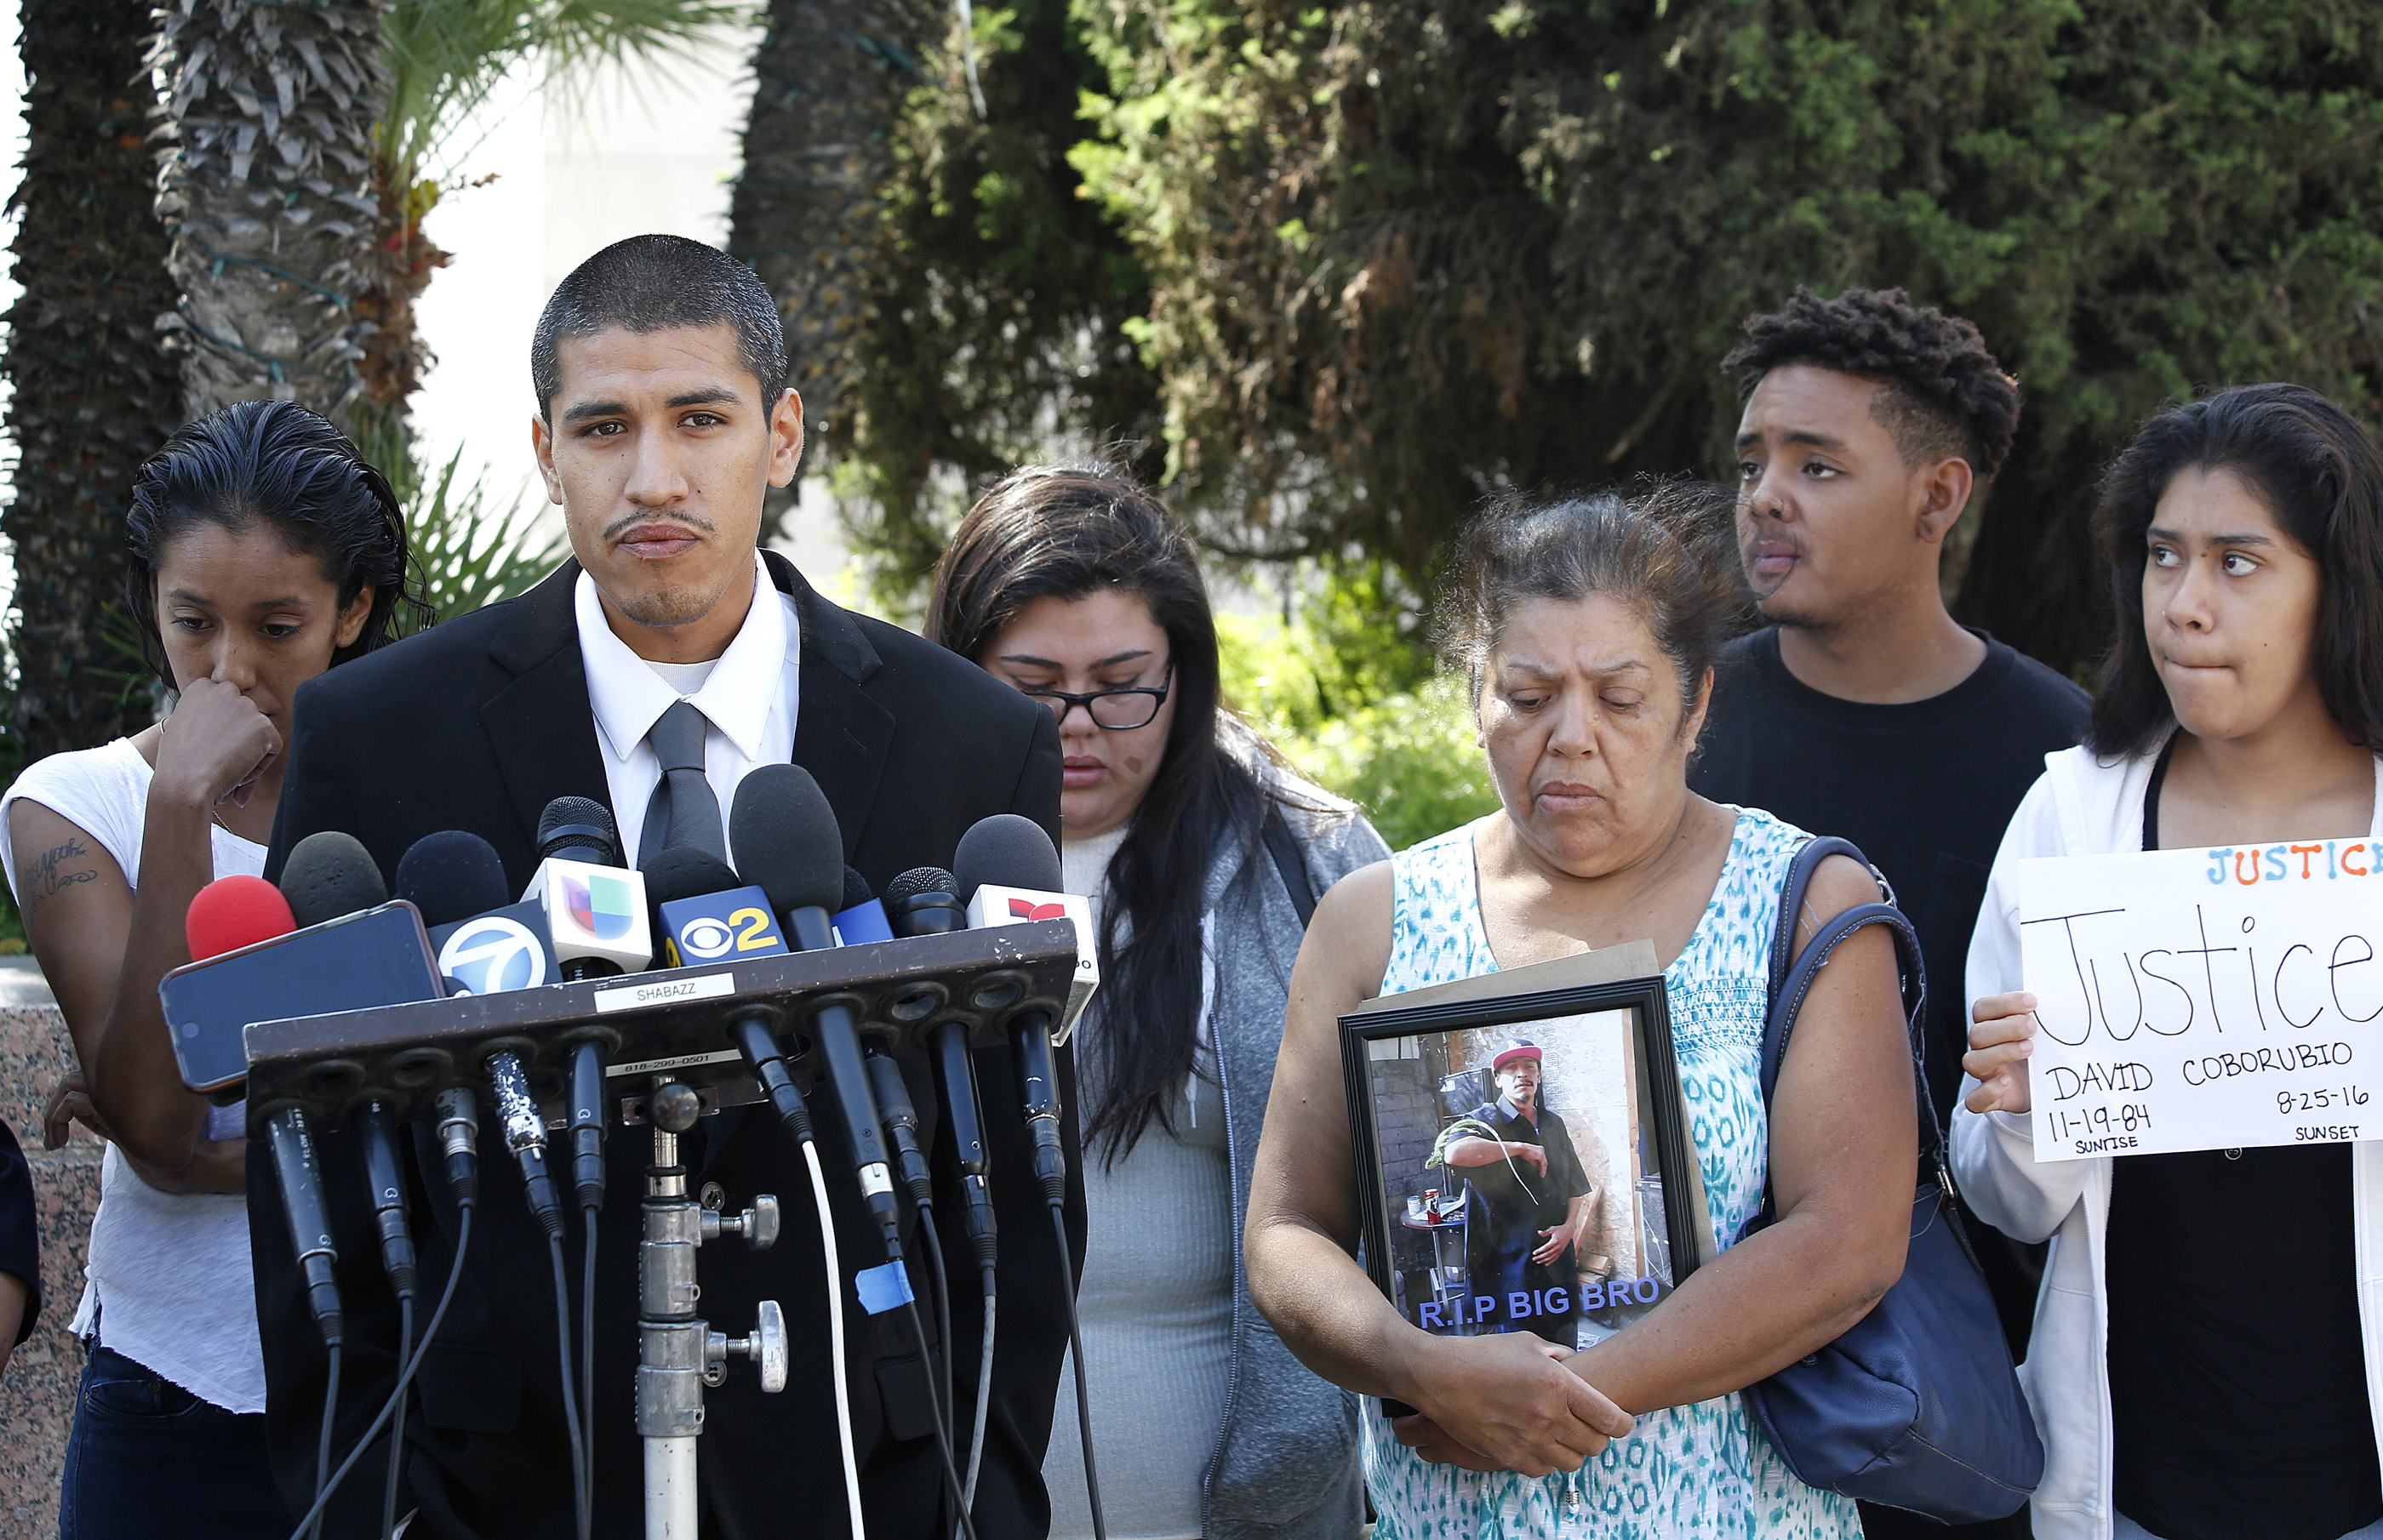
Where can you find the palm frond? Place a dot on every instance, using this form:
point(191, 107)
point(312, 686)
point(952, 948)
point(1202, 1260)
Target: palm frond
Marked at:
point(469, 549)
point(445, 56)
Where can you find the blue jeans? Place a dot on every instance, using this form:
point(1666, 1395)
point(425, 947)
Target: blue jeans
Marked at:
point(147, 1458)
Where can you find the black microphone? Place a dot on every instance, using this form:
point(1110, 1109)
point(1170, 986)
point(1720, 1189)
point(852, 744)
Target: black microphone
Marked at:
point(924, 901)
point(679, 873)
point(860, 918)
point(310, 1222)
point(449, 875)
point(578, 829)
point(387, 1180)
point(785, 838)
point(696, 906)
point(1012, 852)
point(459, 1143)
point(485, 944)
point(330, 874)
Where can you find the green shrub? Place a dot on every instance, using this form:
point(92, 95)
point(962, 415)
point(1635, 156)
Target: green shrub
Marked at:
point(1408, 757)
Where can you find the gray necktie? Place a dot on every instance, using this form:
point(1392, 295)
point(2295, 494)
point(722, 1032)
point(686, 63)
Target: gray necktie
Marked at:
point(683, 810)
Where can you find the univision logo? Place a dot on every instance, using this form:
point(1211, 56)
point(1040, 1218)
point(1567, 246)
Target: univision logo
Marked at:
point(493, 954)
point(599, 905)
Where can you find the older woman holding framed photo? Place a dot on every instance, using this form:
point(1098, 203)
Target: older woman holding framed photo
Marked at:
point(1588, 629)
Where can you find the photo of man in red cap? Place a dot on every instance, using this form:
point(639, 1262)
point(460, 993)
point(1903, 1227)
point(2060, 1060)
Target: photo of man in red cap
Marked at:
point(1529, 1181)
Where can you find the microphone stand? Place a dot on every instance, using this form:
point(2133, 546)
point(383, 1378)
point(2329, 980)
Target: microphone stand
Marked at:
point(678, 1353)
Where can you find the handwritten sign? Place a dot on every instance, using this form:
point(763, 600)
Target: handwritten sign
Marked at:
point(2204, 999)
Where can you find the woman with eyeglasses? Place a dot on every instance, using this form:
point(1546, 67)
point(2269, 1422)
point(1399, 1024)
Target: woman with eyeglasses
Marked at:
point(1203, 855)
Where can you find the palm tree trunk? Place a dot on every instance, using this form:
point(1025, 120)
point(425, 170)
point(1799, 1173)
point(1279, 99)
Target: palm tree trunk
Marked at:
point(267, 193)
point(829, 79)
point(95, 392)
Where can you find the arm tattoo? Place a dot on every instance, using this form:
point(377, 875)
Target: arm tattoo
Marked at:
point(53, 871)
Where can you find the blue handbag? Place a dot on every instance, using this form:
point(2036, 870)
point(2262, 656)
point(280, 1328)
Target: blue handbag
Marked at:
point(1916, 1406)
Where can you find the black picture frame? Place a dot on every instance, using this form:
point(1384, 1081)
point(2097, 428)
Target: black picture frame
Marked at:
point(1544, 1017)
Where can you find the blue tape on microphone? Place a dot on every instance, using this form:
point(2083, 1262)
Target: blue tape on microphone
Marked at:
point(882, 1287)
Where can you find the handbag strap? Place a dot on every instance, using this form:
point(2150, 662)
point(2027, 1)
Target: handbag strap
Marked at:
point(1792, 975)
point(1287, 863)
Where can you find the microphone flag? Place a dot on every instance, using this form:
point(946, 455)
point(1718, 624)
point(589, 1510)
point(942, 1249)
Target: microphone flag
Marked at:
point(720, 927)
point(504, 949)
point(996, 904)
point(595, 912)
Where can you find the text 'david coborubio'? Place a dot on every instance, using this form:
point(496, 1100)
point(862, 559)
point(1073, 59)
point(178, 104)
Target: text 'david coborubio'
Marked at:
point(2201, 999)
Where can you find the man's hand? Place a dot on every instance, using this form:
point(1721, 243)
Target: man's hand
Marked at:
point(1507, 1403)
point(1534, 1153)
point(1554, 1241)
point(1999, 1046)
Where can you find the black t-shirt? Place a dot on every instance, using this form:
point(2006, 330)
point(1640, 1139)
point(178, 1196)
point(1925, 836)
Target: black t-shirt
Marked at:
point(1501, 1185)
point(1925, 789)
point(2238, 1368)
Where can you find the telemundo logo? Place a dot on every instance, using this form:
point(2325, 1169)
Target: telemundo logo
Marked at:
point(491, 955)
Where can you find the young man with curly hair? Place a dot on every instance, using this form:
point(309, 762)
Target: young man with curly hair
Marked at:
point(1863, 708)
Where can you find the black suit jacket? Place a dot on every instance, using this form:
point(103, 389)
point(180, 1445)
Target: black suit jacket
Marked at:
point(476, 724)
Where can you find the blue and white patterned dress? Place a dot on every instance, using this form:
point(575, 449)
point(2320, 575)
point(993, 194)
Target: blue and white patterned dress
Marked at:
point(1688, 1470)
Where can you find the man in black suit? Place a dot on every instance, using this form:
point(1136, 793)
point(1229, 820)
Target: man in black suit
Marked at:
point(659, 367)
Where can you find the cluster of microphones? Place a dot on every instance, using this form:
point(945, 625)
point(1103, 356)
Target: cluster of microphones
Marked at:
point(331, 937)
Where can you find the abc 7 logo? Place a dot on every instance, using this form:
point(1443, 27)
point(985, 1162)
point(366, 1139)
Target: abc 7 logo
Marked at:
point(706, 938)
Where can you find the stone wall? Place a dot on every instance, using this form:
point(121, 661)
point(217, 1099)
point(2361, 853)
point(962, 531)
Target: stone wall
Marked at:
point(38, 1389)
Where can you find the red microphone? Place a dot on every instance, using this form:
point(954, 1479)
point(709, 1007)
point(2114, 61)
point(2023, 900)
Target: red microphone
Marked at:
point(233, 912)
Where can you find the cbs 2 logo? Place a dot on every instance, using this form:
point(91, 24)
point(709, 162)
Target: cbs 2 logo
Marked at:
point(744, 930)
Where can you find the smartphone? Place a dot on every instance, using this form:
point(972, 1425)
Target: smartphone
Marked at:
point(377, 956)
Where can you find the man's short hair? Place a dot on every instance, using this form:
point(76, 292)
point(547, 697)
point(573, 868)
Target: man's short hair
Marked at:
point(1944, 394)
point(651, 283)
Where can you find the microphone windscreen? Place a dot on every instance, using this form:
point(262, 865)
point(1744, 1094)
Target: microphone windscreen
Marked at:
point(233, 912)
point(1009, 851)
point(453, 874)
point(683, 871)
point(785, 840)
point(579, 829)
point(331, 874)
point(918, 879)
point(856, 891)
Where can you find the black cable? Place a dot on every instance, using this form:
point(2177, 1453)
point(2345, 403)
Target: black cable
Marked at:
point(323, 1444)
point(1083, 1398)
point(942, 1440)
point(397, 1424)
point(570, 1397)
point(587, 1353)
point(942, 1285)
point(404, 1381)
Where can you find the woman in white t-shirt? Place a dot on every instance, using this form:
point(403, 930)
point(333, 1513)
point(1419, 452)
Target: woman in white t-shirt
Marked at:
point(265, 551)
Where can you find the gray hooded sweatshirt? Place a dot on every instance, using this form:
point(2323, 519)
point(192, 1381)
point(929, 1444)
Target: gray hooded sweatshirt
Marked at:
point(1284, 1463)
point(1286, 1460)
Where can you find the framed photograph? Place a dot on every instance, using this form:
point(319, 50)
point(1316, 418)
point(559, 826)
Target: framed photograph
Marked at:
point(1523, 1159)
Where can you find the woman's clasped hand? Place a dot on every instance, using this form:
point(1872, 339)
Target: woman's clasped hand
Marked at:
point(1507, 1403)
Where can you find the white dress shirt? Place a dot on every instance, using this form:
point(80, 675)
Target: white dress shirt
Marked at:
point(747, 698)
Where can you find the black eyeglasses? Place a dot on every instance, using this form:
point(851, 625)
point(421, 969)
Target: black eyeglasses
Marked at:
point(1118, 710)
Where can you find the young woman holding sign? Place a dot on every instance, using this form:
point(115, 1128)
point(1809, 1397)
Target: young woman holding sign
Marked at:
point(2200, 1365)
